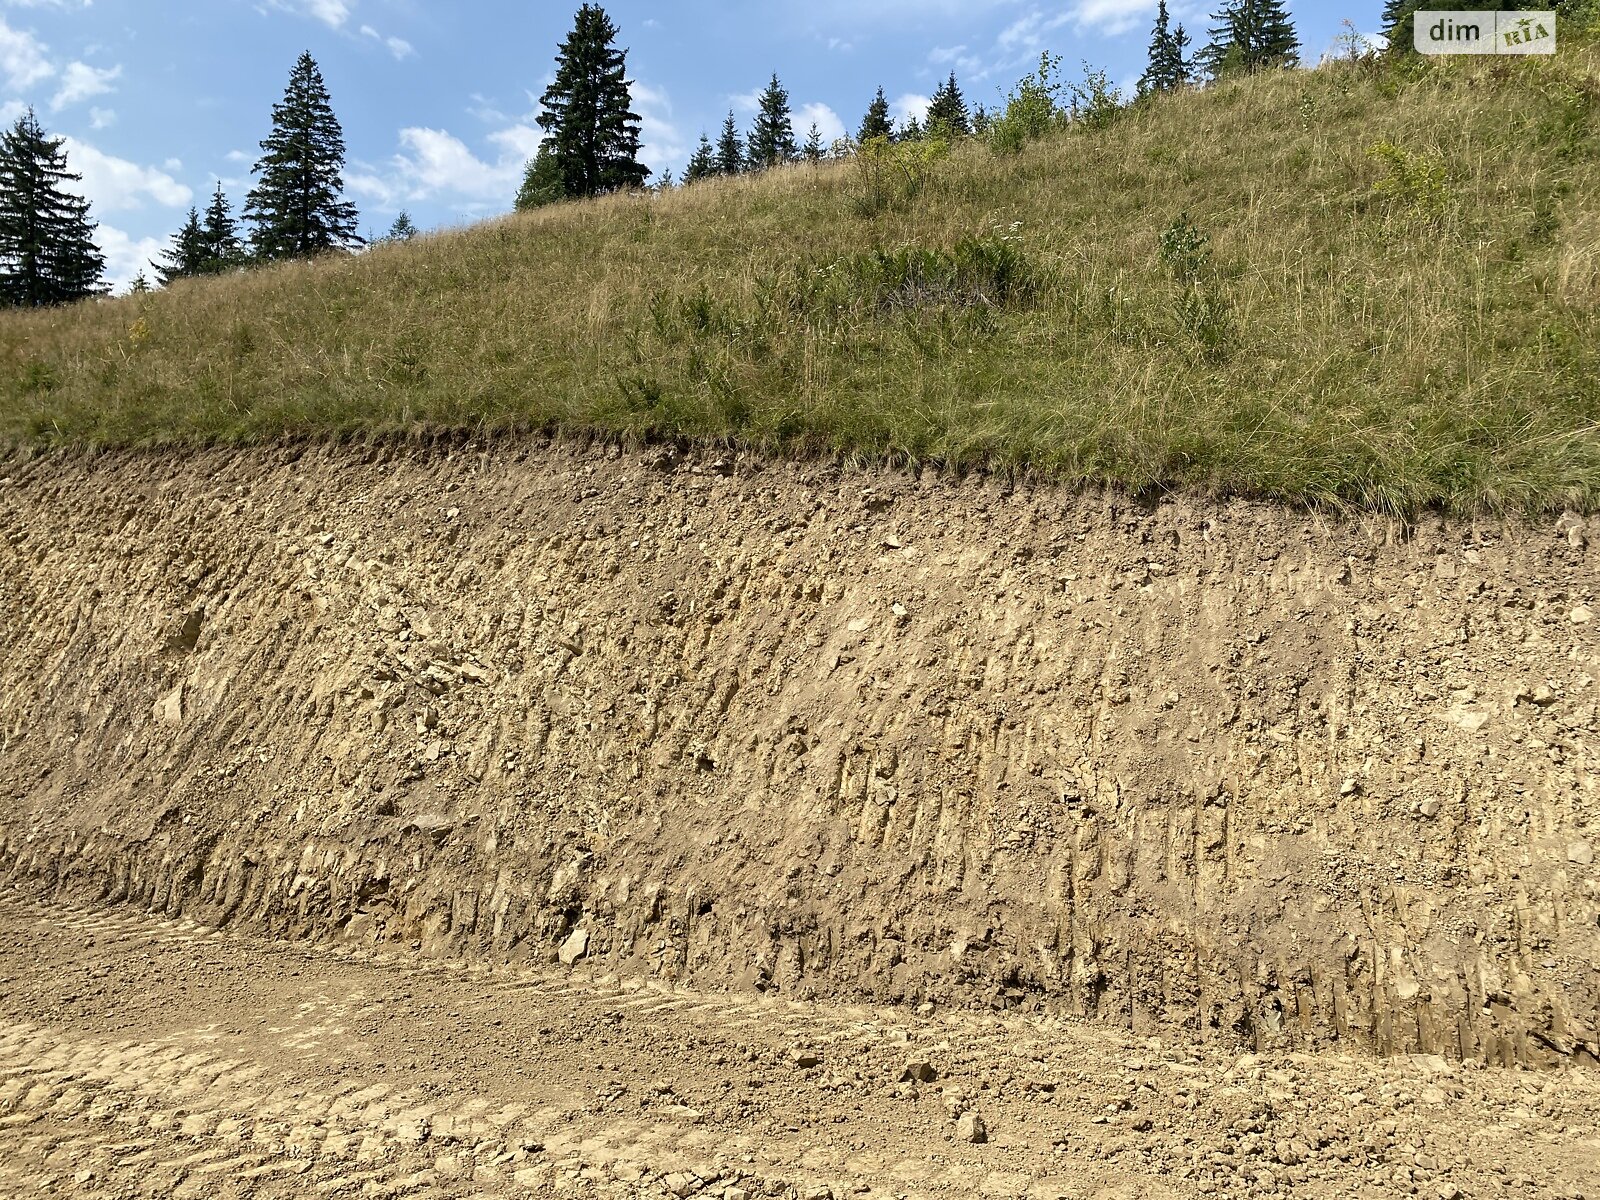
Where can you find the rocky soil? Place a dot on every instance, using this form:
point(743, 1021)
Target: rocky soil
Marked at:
point(1242, 780)
point(145, 1058)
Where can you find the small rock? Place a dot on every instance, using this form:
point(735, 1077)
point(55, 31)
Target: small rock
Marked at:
point(970, 1128)
point(1581, 853)
point(1349, 787)
point(804, 1059)
point(1582, 615)
point(681, 1183)
point(820, 1191)
point(1429, 808)
point(575, 947)
point(169, 709)
point(919, 1072)
point(735, 1193)
point(1543, 696)
point(1449, 1191)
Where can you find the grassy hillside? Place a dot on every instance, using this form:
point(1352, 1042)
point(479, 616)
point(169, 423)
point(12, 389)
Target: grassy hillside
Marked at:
point(1384, 294)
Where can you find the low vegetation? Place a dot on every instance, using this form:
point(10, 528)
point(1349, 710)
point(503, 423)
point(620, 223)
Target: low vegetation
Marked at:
point(1372, 285)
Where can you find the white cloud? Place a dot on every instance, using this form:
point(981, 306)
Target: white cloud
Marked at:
point(112, 184)
point(80, 82)
point(126, 256)
point(1026, 35)
point(434, 163)
point(910, 105)
point(826, 120)
point(24, 58)
point(399, 47)
point(1110, 17)
point(747, 101)
point(661, 142)
point(956, 58)
point(102, 118)
point(332, 13)
point(11, 110)
point(238, 156)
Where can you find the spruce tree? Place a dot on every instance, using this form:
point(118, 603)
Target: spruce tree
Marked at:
point(589, 124)
point(813, 149)
point(1169, 67)
point(876, 123)
point(219, 236)
point(403, 229)
point(47, 250)
point(298, 206)
point(981, 120)
point(730, 149)
point(910, 129)
point(140, 286)
point(947, 112)
point(186, 258)
point(541, 181)
point(772, 136)
point(1251, 35)
point(702, 163)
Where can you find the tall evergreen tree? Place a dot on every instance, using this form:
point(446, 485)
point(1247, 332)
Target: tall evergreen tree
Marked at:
point(298, 206)
point(186, 257)
point(947, 112)
point(910, 129)
point(1251, 35)
point(730, 148)
point(772, 136)
point(813, 149)
point(702, 163)
point(220, 235)
point(47, 249)
point(1169, 67)
point(541, 181)
point(588, 120)
point(876, 123)
point(981, 120)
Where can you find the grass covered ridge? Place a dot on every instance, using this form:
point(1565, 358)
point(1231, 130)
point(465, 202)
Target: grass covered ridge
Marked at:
point(1371, 285)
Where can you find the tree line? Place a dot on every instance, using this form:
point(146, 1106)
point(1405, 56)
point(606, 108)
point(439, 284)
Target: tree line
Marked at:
point(590, 147)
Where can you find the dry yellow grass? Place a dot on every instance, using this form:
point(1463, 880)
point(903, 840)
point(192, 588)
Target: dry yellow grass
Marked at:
point(1395, 307)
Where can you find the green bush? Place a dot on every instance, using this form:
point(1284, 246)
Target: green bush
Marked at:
point(1032, 108)
point(891, 175)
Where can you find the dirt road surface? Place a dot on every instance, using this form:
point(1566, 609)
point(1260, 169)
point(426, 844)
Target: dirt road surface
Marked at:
point(143, 1057)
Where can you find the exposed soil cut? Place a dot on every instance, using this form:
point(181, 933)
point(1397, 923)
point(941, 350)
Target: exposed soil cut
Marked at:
point(1211, 771)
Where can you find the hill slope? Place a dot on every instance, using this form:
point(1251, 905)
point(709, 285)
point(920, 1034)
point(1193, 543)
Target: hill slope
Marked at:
point(1383, 294)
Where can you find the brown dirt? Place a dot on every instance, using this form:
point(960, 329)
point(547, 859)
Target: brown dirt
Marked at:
point(166, 1059)
point(1214, 772)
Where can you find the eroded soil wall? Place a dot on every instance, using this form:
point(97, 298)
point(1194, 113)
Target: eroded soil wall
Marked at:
point(1214, 768)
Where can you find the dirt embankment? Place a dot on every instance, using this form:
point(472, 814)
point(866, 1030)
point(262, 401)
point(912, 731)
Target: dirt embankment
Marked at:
point(1210, 768)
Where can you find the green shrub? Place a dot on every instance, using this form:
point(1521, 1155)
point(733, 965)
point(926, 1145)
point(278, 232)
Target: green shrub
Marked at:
point(1032, 108)
point(1096, 102)
point(1183, 249)
point(891, 175)
point(1414, 188)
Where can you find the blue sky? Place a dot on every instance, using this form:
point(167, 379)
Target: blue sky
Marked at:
point(161, 98)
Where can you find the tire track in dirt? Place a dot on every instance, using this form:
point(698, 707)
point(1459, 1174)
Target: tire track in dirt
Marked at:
point(226, 1065)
